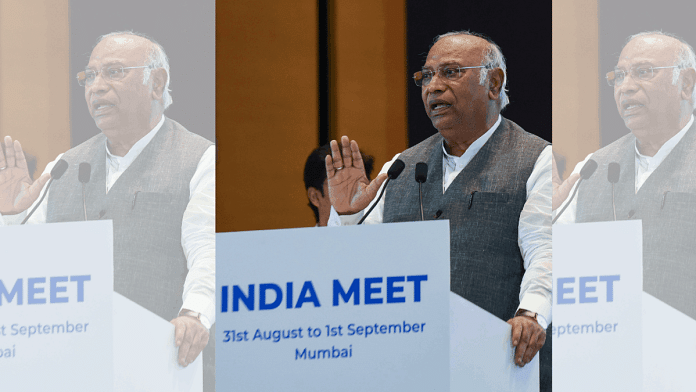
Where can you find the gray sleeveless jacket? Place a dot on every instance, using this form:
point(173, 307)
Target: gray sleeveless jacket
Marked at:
point(666, 203)
point(483, 205)
point(146, 205)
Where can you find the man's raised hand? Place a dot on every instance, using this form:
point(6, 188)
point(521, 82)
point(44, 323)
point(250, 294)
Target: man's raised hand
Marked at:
point(349, 189)
point(17, 191)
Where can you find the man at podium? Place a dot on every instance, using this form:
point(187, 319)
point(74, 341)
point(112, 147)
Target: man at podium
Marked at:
point(148, 174)
point(486, 175)
point(649, 174)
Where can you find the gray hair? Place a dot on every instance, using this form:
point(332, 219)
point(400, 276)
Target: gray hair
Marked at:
point(157, 58)
point(492, 58)
point(685, 57)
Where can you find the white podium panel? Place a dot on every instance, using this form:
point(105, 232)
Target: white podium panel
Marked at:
point(481, 353)
point(360, 308)
point(597, 306)
point(145, 357)
point(669, 347)
point(56, 284)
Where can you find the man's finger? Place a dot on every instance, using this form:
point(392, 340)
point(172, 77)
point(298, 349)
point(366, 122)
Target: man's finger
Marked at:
point(516, 332)
point(524, 342)
point(179, 332)
point(337, 160)
point(537, 340)
point(20, 160)
point(200, 341)
point(330, 171)
point(3, 161)
point(357, 157)
point(373, 188)
point(9, 152)
point(185, 346)
point(345, 150)
point(37, 186)
point(560, 194)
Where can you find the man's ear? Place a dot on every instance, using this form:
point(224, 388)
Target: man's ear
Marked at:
point(159, 80)
point(689, 75)
point(313, 194)
point(496, 77)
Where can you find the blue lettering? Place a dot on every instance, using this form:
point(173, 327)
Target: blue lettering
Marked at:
point(237, 295)
point(224, 298)
point(353, 291)
point(262, 296)
point(81, 279)
point(16, 291)
point(417, 279)
point(289, 296)
point(398, 289)
point(32, 290)
point(561, 291)
point(55, 289)
point(369, 290)
point(307, 294)
point(584, 289)
point(610, 279)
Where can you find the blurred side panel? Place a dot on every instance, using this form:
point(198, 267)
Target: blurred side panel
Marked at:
point(267, 111)
point(34, 82)
point(575, 81)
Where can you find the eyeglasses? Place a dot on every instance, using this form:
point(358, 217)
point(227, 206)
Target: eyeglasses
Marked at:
point(87, 77)
point(617, 76)
point(423, 78)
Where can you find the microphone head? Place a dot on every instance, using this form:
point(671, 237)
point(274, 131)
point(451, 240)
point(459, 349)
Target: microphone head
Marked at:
point(396, 168)
point(84, 172)
point(58, 170)
point(421, 172)
point(588, 170)
point(614, 172)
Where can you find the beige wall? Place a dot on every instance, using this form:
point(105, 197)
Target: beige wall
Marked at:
point(34, 76)
point(575, 75)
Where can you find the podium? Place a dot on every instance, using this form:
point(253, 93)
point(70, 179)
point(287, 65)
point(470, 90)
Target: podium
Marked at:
point(608, 333)
point(63, 328)
point(354, 308)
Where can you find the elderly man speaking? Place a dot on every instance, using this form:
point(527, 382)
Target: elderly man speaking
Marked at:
point(653, 85)
point(151, 176)
point(489, 177)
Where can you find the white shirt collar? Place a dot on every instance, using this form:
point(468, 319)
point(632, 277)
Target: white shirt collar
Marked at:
point(122, 163)
point(456, 163)
point(654, 161)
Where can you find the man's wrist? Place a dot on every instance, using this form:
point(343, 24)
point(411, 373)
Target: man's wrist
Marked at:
point(196, 315)
point(527, 313)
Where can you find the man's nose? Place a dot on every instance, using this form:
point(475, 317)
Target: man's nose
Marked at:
point(99, 84)
point(437, 83)
point(629, 84)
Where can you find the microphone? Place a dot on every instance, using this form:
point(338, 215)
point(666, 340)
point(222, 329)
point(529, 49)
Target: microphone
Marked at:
point(56, 173)
point(613, 176)
point(588, 170)
point(83, 175)
point(396, 168)
point(585, 173)
point(421, 177)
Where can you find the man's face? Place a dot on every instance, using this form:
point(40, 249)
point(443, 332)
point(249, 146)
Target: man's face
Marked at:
point(125, 105)
point(456, 106)
point(649, 107)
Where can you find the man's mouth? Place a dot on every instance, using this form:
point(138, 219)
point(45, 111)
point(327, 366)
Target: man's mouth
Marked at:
point(101, 108)
point(631, 108)
point(438, 107)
